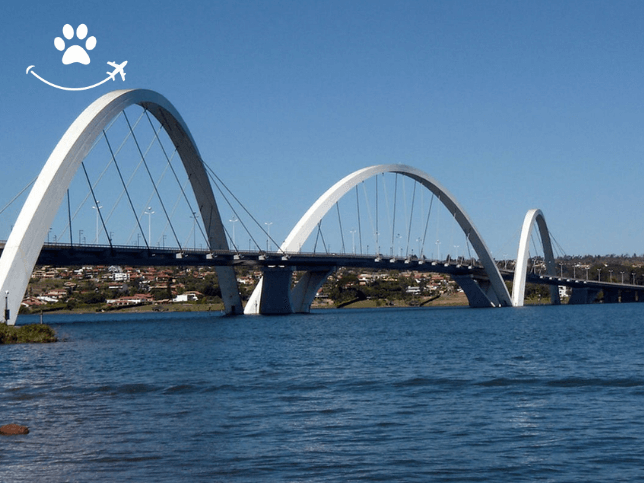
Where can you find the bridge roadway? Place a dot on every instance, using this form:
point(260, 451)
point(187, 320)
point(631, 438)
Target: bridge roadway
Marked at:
point(58, 254)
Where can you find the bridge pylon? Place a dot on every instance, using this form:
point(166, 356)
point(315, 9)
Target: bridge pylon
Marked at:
point(30, 230)
point(521, 269)
point(493, 293)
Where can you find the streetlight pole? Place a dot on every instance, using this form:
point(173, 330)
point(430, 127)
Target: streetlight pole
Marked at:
point(399, 236)
point(194, 230)
point(268, 228)
point(438, 249)
point(149, 213)
point(97, 207)
point(353, 240)
point(233, 221)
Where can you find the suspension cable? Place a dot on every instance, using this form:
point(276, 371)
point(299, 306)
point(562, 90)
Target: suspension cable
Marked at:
point(118, 169)
point(359, 224)
point(367, 204)
point(393, 226)
point(185, 197)
point(337, 207)
point(376, 232)
point(429, 212)
point(218, 181)
point(147, 168)
point(384, 186)
point(98, 208)
point(18, 195)
point(96, 142)
point(411, 216)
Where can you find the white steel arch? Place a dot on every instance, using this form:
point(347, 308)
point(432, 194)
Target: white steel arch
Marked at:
point(316, 212)
point(26, 239)
point(521, 269)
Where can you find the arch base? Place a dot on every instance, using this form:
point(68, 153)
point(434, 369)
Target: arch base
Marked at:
point(480, 293)
point(275, 295)
point(307, 288)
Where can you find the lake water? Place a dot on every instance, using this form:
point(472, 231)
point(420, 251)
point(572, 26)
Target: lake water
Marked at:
point(405, 395)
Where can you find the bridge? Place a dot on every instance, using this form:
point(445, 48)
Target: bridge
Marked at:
point(49, 200)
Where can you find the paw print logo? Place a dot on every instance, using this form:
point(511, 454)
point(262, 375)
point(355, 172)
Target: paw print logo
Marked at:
point(75, 53)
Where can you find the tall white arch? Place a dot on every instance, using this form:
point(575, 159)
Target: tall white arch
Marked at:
point(316, 212)
point(26, 239)
point(521, 269)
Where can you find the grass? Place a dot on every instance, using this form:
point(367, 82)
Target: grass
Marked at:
point(11, 334)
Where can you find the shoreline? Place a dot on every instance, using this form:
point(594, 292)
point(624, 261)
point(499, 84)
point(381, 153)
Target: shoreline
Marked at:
point(450, 300)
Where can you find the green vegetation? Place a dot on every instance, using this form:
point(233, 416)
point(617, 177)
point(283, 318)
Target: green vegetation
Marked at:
point(10, 334)
point(137, 289)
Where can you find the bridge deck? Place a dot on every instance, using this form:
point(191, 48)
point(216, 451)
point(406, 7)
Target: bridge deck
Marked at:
point(59, 254)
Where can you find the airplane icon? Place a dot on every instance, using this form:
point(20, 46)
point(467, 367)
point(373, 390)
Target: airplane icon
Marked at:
point(118, 69)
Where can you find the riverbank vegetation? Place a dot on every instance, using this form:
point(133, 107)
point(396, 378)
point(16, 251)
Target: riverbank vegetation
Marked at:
point(33, 333)
point(138, 289)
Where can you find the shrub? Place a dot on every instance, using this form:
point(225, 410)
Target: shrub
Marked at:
point(26, 334)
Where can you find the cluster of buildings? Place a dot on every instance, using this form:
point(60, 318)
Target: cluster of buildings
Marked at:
point(135, 286)
point(128, 286)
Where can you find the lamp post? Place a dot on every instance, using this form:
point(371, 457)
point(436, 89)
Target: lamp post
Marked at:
point(399, 236)
point(7, 315)
point(233, 221)
point(599, 274)
point(194, 230)
point(268, 231)
point(97, 207)
point(149, 213)
point(438, 249)
point(376, 234)
point(353, 239)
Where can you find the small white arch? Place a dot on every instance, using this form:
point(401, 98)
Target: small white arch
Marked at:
point(316, 212)
point(26, 239)
point(521, 268)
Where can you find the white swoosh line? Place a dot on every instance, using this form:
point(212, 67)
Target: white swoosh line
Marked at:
point(66, 88)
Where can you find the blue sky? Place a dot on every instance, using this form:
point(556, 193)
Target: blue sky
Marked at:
point(509, 105)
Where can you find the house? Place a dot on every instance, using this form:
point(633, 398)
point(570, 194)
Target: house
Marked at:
point(187, 297)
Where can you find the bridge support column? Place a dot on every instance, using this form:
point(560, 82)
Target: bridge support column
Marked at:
point(611, 296)
point(274, 294)
point(479, 292)
point(307, 287)
point(581, 296)
point(627, 296)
